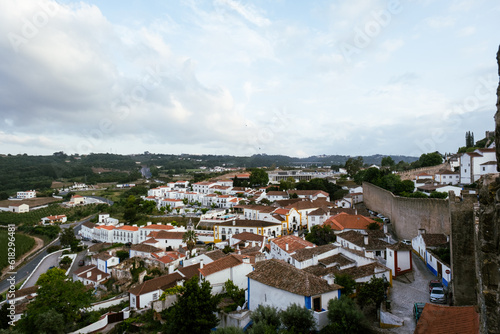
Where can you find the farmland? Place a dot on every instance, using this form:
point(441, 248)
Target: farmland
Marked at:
point(24, 243)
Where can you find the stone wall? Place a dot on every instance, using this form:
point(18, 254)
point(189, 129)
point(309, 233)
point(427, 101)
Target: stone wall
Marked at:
point(407, 215)
point(462, 250)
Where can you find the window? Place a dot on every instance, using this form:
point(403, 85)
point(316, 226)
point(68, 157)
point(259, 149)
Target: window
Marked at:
point(317, 304)
point(155, 296)
point(465, 170)
point(484, 168)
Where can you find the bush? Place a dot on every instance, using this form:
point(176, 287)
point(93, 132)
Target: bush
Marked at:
point(297, 319)
point(345, 317)
point(53, 248)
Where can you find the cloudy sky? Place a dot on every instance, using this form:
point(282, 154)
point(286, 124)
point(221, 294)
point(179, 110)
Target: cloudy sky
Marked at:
point(242, 77)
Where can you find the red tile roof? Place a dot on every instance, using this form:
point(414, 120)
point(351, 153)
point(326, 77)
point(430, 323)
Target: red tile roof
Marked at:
point(158, 283)
point(226, 262)
point(284, 276)
point(247, 236)
point(166, 235)
point(128, 228)
point(441, 319)
point(158, 227)
point(346, 221)
point(294, 243)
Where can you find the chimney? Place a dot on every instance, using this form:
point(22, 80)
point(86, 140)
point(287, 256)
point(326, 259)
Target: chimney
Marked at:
point(201, 263)
point(234, 222)
point(88, 274)
point(421, 231)
point(365, 239)
point(170, 269)
point(99, 277)
point(148, 223)
point(385, 229)
point(246, 260)
point(286, 246)
point(253, 243)
point(356, 211)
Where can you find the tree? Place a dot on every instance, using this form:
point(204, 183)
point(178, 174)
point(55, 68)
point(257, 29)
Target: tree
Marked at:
point(122, 255)
point(259, 178)
point(229, 330)
point(265, 319)
point(297, 319)
point(469, 139)
point(353, 165)
point(190, 238)
point(287, 184)
point(68, 238)
point(345, 317)
point(373, 292)
point(387, 162)
point(236, 294)
point(438, 194)
point(321, 235)
point(373, 226)
point(194, 311)
point(58, 304)
point(347, 282)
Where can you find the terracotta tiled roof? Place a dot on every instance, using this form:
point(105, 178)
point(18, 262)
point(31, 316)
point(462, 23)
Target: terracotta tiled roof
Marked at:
point(277, 193)
point(358, 239)
point(284, 276)
point(166, 235)
point(307, 253)
point(94, 273)
point(355, 272)
point(26, 291)
point(282, 211)
point(83, 269)
point(441, 319)
point(399, 246)
point(319, 212)
point(150, 241)
point(308, 192)
point(285, 202)
point(170, 257)
point(89, 224)
point(346, 221)
point(103, 256)
point(158, 283)
point(216, 254)
point(247, 236)
point(434, 240)
point(338, 259)
point(105, 227)
point(145, 248)
point(226, 262)
point(190, 271)
point(257, 207)
point(294, 243)
point(336, 211)
point(128, 228)
point(305, 205)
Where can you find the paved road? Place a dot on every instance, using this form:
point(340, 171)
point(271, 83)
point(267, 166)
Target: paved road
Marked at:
point(25, 270)
point(404, 295)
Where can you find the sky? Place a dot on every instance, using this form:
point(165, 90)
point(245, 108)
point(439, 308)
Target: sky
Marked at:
point(297, 78)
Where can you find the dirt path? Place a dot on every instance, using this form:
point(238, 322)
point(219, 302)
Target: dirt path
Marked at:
point(38, 245)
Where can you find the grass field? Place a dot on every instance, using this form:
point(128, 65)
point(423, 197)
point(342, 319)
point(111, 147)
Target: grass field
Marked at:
point(23, 243)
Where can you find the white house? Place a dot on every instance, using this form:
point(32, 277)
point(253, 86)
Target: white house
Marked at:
point(168, 239)
point(87, 230)
point(54, 219)
point(284, 247)
point(104, 260)
point(222, 231)
point(145, 251)
point(475, 164)
point(19, 208)
point(367, 243)
point(447, 177)
point(142, 295)
point(442, 188)
point(399, 259)
point(234, 267)
point(26, 194)
point(90, 275)
point(278, 284)
point(276, 195)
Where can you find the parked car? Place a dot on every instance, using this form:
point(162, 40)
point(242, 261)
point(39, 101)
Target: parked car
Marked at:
point(417, 310)
point(435, 283)
point(438, 295)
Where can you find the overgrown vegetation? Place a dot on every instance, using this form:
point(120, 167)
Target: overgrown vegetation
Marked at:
point(23, 243)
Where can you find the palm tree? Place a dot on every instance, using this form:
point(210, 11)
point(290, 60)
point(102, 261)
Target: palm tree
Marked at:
point(190, 239)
